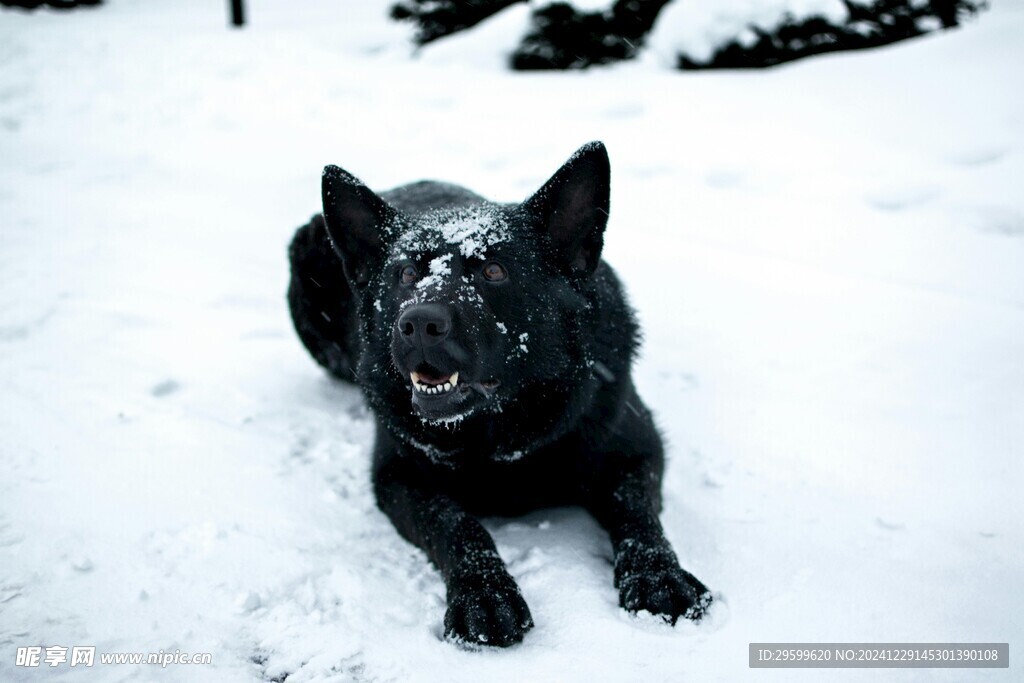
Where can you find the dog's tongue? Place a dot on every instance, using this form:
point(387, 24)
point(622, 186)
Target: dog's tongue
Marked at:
point(430, 378)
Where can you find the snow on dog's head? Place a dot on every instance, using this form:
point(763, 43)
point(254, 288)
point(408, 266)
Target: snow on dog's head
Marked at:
point(467, 304)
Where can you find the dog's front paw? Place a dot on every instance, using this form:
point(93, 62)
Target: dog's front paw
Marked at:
point(487, 609)
point(651, 579)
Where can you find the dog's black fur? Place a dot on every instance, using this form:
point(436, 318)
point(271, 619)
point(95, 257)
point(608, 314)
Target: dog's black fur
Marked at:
point(430, 279)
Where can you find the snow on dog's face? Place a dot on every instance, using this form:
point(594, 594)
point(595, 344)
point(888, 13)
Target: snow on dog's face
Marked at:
point(463, 307)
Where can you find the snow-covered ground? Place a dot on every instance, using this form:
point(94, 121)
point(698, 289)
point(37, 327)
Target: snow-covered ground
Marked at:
point(828, 260)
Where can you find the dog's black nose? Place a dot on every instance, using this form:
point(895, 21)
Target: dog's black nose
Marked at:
point(425, 324)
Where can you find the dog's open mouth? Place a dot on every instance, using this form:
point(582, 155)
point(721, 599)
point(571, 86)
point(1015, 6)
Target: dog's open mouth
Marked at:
point(439, 395)
point(447, 395)
point(431, 382)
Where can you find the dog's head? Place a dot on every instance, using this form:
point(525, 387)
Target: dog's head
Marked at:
point(465, 303)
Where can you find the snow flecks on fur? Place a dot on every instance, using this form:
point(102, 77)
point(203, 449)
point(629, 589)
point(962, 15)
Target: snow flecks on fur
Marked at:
point(438, 271)
point(450, 421)
point(587, 148)
point(467, 293)
point(340, 174)
point(436, 455)
point(474, 231)
point(510, 457)
point(471, 231)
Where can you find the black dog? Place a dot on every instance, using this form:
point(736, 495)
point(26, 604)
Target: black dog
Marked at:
point(494, 346)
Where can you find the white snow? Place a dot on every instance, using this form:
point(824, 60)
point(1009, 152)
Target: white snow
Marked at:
point(470, 231)
point(474, 231)
point(827, 259)
point(522, 342)
point(438, 271)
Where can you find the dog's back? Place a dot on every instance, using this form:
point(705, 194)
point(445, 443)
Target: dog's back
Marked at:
point(320, 300)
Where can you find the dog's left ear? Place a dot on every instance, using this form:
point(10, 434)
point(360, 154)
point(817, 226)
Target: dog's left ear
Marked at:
point(573, 207)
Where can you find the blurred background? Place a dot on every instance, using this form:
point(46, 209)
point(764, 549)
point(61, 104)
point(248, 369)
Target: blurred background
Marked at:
point(825, 246)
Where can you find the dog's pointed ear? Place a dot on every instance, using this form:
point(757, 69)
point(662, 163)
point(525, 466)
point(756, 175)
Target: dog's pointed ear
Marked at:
point(573, 208)
point(357, 220)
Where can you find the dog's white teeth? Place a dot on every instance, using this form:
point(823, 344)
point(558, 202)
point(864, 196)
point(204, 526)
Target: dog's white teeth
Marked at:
point(423, 388)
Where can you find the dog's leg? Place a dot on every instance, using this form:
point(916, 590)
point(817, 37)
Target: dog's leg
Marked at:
point(647, 572)
point(484, 602)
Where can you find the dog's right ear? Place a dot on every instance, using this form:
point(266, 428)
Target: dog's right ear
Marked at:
point(356, 220)
point(573, 208)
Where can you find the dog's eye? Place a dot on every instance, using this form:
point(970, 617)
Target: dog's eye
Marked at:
point(408, 274)
point(494, 271)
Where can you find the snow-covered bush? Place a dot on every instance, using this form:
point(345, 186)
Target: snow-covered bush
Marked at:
point(779, 31)
point(54, 4)
point(438, 18)
point(697, 33)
